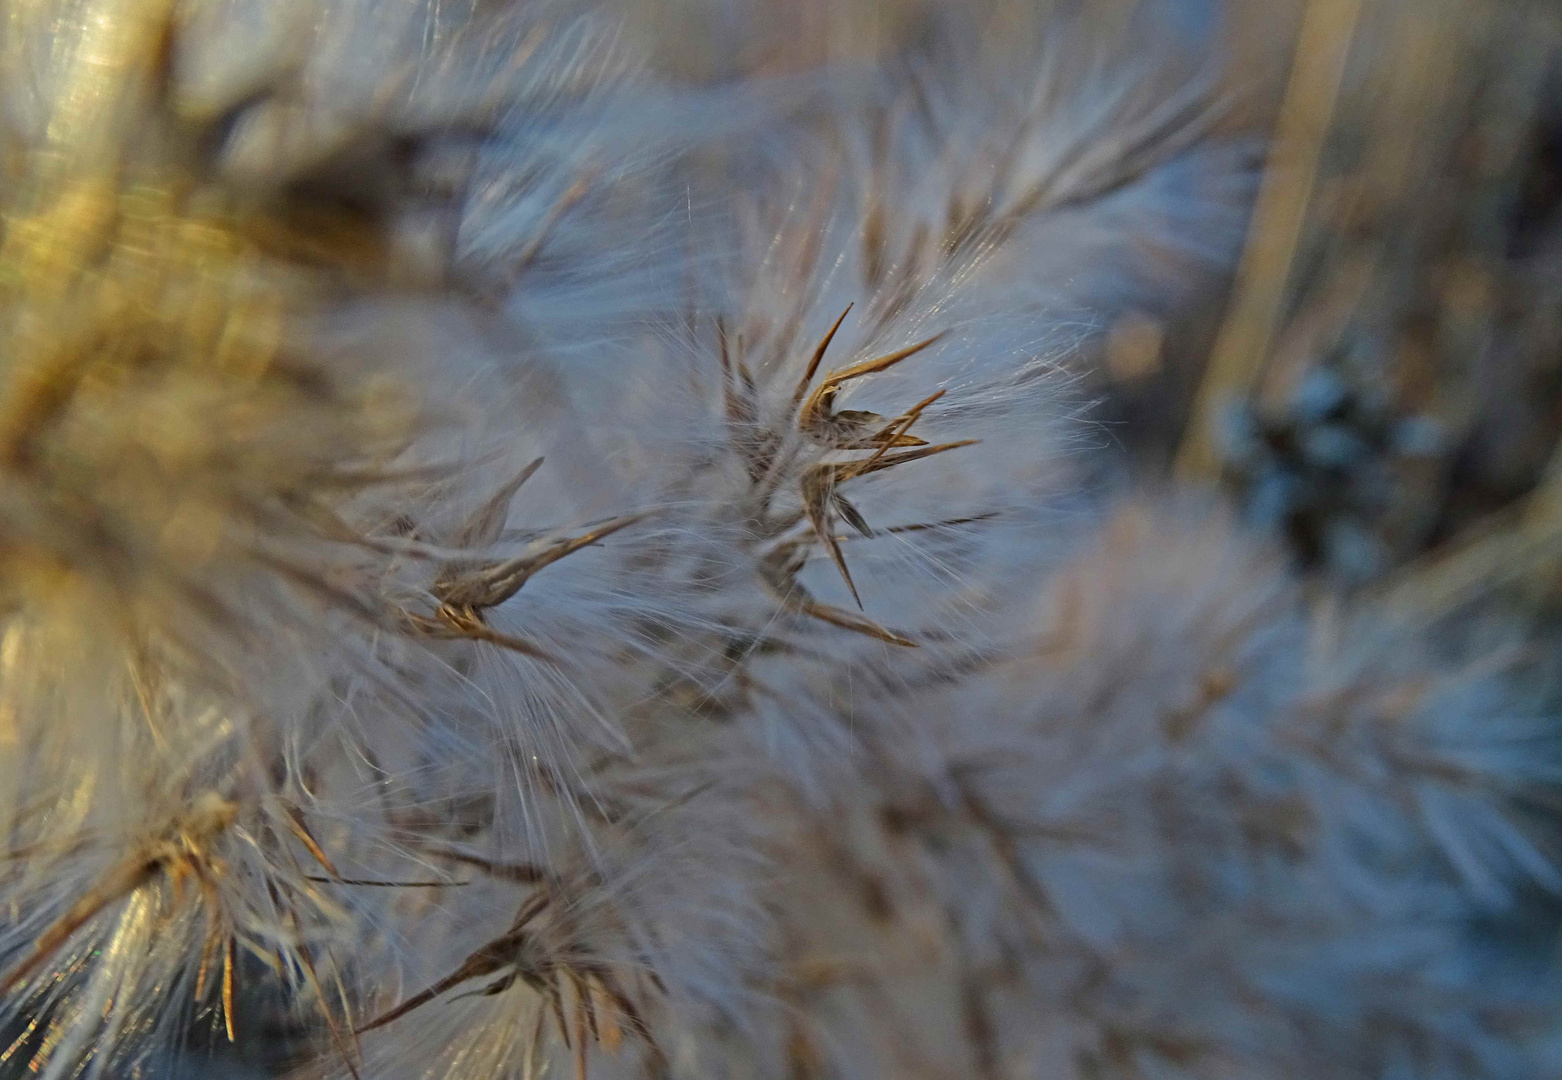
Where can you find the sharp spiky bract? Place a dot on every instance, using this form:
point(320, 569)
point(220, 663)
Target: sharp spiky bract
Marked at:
point(504, 570)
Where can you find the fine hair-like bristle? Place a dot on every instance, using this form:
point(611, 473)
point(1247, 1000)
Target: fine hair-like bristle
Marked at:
point(526, 549)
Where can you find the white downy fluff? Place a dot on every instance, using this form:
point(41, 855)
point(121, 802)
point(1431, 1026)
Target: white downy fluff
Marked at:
point(476, 594)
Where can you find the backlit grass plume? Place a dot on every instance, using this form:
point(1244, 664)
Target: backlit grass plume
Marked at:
point(1184, 830)
point(522, 557)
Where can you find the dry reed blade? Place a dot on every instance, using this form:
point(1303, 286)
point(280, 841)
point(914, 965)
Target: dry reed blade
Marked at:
point(1306, 116)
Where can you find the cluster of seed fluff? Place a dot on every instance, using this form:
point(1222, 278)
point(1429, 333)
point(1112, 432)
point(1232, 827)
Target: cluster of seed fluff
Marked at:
point(1188, 829)
point(507, 557)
